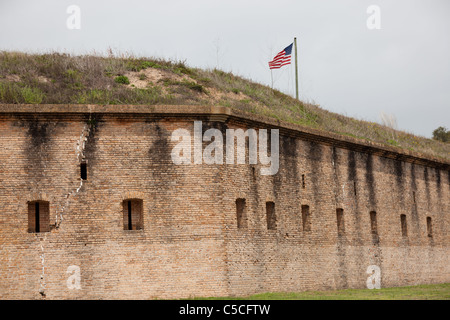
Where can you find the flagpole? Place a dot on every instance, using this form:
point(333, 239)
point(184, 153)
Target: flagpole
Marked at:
point(296, 69)
point(271, 77)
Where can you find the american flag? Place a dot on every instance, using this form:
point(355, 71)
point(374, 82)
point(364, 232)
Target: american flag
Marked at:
point(281, 59)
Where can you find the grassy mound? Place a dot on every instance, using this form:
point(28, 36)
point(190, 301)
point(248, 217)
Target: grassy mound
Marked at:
point(57, 78)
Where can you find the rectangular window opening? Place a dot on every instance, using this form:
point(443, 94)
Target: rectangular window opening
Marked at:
point(340, 221)
point(130, 224)
point(241, 214)
point(37, 220)
point(306, 219)
point(429, 227)
point(132, 214)
point(271, 217)
point(38, 216)
point(83, 170)
point(404, 225)
point(373, 222)
point(303, 181)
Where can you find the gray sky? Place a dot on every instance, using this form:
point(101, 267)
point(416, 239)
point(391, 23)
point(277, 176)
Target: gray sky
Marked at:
point(402, 69)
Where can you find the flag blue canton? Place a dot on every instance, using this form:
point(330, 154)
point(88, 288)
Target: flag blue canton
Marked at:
point(288, 50)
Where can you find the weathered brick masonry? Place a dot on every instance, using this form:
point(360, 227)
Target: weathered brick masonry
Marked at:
point(188, 242)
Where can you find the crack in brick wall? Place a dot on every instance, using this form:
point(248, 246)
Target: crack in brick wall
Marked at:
point(81, 146)
point(42, 277)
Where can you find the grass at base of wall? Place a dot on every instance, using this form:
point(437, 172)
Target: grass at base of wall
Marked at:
point(420, 292)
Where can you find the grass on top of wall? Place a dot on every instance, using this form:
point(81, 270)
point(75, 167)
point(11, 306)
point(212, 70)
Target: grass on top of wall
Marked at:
point(57, 78)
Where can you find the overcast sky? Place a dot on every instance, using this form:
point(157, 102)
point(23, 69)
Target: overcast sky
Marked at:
point(402, 69)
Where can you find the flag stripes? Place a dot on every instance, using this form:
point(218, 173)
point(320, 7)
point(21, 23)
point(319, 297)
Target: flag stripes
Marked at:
point(283, 58)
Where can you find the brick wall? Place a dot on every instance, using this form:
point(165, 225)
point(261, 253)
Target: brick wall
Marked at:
point(190, 243)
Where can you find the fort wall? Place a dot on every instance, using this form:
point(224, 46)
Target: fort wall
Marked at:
point(189, 241)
